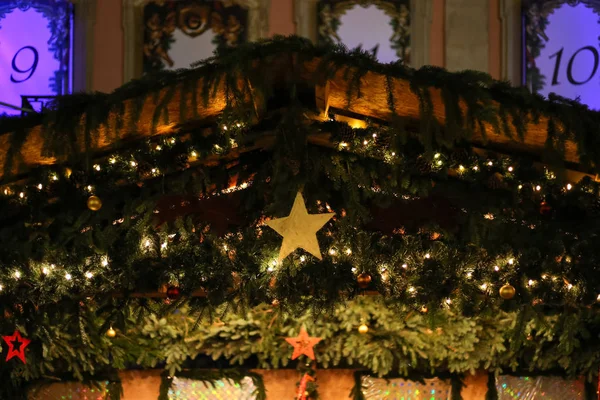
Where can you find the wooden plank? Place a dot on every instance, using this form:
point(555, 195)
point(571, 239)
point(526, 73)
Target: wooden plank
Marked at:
point(328, 94)
point(373, 103)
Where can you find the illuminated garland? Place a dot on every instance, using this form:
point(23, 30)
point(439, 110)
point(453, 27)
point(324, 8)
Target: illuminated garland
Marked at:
point(399, 267)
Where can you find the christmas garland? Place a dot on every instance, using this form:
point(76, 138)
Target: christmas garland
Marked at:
point(470, 100)
point(398, 342)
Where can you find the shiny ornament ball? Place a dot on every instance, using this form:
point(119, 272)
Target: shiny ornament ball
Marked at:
point(545, 208)
point(363, 329)
point(111, 333)
point(363, 280)
point(507, 291)
point(94, 203)
point(173, 292)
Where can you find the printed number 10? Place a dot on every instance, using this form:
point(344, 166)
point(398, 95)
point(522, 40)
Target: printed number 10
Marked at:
point(570, 78)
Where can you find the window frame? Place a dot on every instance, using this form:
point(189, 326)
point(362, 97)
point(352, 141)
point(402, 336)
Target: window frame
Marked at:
point(133, 30)
point(421, 15)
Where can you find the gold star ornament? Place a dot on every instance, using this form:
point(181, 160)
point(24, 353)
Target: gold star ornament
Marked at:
point(303, 344)
point(299, 229)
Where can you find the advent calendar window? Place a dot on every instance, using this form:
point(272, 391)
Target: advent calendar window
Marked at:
point(35, 50)
point(379, 26)
point(561, 44)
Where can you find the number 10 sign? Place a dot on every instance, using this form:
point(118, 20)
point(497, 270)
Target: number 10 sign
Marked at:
point(35, 56)
point(562, 44)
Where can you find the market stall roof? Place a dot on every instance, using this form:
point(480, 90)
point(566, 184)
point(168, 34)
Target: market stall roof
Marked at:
point(441, 106)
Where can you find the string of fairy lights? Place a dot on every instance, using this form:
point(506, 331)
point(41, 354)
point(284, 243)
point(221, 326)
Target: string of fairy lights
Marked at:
point(128, 164)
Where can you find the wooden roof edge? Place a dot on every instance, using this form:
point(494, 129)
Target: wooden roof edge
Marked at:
point(163, 114)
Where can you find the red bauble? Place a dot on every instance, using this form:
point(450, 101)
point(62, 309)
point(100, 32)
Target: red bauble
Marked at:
point(173, 292)
point(545, 208)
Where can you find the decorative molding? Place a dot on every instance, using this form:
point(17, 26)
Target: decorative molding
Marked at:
point(83, 44)
point(305, 16)
point(421, 17)
point(512, 46)
point(133, 30)
point(421, 20)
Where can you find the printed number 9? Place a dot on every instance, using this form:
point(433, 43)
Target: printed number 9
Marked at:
point(31, 69)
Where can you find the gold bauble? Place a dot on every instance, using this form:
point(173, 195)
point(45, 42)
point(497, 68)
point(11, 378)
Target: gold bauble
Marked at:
point(94, 203)
point(363, 329)
point(363, 280)
point(507, 291)
point(111, 333)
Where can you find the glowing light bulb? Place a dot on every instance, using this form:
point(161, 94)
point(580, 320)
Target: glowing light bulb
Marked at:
point(89, 275)
point(224, 127)
point(405, 266)
point(1, 287)
point(569, 286)
point(68, 276)
point(17, 274)
point(366, 142)
point(194, 153)
point(40, 186)
point(133, 163)
point(490, 163)
point(439, 162)
point(436, 155)
point(45, 270)
point(520, 187)
point(569, 186)
point(469, 275)
point(343, 144)
point(484, 286)
point(332, 252)
point(411, 289)
point(538, 188)
point(348, 251)
point(163, 245)
point(510, 169)
point(97, 167)
point(476, 168)
point(147, 243)
point(393, 154)
point(104, 261)
point(302, 258)
point(173, 141)
point(531, 282)
point(112, 160)
point(54, 177)
point(374, 135)
point(511, 261)
point(154, 170)
point(22, 195)
point(427, 255)
point(448, 301)
point(461, 168)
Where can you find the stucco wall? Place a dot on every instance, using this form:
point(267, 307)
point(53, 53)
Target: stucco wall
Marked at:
point(446, 37)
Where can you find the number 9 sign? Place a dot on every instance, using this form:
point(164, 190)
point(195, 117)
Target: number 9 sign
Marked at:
point(18, 70)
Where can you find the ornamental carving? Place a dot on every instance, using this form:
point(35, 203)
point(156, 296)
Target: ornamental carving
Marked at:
point(226, 20)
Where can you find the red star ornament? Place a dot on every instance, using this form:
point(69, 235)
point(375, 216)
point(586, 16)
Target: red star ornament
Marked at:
point(16, 341)
point(303, 344)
